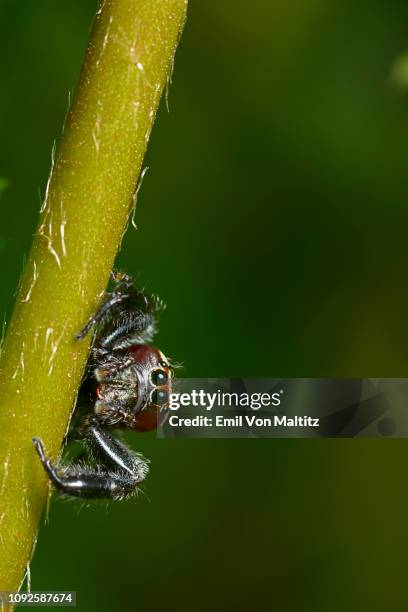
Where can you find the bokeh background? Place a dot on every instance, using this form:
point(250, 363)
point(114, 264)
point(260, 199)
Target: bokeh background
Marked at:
point(276, 204)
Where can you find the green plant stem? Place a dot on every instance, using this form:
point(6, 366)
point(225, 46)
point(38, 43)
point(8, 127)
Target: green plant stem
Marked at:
point(84, 216)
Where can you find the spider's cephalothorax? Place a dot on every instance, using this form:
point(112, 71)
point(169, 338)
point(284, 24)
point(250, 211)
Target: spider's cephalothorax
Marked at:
point(127, 385)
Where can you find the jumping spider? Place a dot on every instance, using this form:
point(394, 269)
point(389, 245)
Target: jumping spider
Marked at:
point(126, 385)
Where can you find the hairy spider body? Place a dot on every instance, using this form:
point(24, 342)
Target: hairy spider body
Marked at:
point(127, 385)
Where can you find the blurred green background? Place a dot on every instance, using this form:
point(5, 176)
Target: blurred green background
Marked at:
point(273, 222)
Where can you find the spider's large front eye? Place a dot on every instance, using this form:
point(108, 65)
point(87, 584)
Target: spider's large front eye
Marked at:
point(159, 377)
point(159, 397)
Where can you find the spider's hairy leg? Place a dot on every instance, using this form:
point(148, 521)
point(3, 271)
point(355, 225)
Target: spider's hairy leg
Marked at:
point(130, 327)
point(122, 291)
point(117, 473)
point(113, 299)
point(125, 312)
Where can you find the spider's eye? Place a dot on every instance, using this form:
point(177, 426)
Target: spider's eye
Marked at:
point(159, 377)
point(159, 397)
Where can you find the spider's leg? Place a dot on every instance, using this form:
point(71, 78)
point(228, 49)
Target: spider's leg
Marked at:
point(113, 300)
point(132, 326)
point(116, 476)
point(121, 279)
point(126, 311)
point(133, 321)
